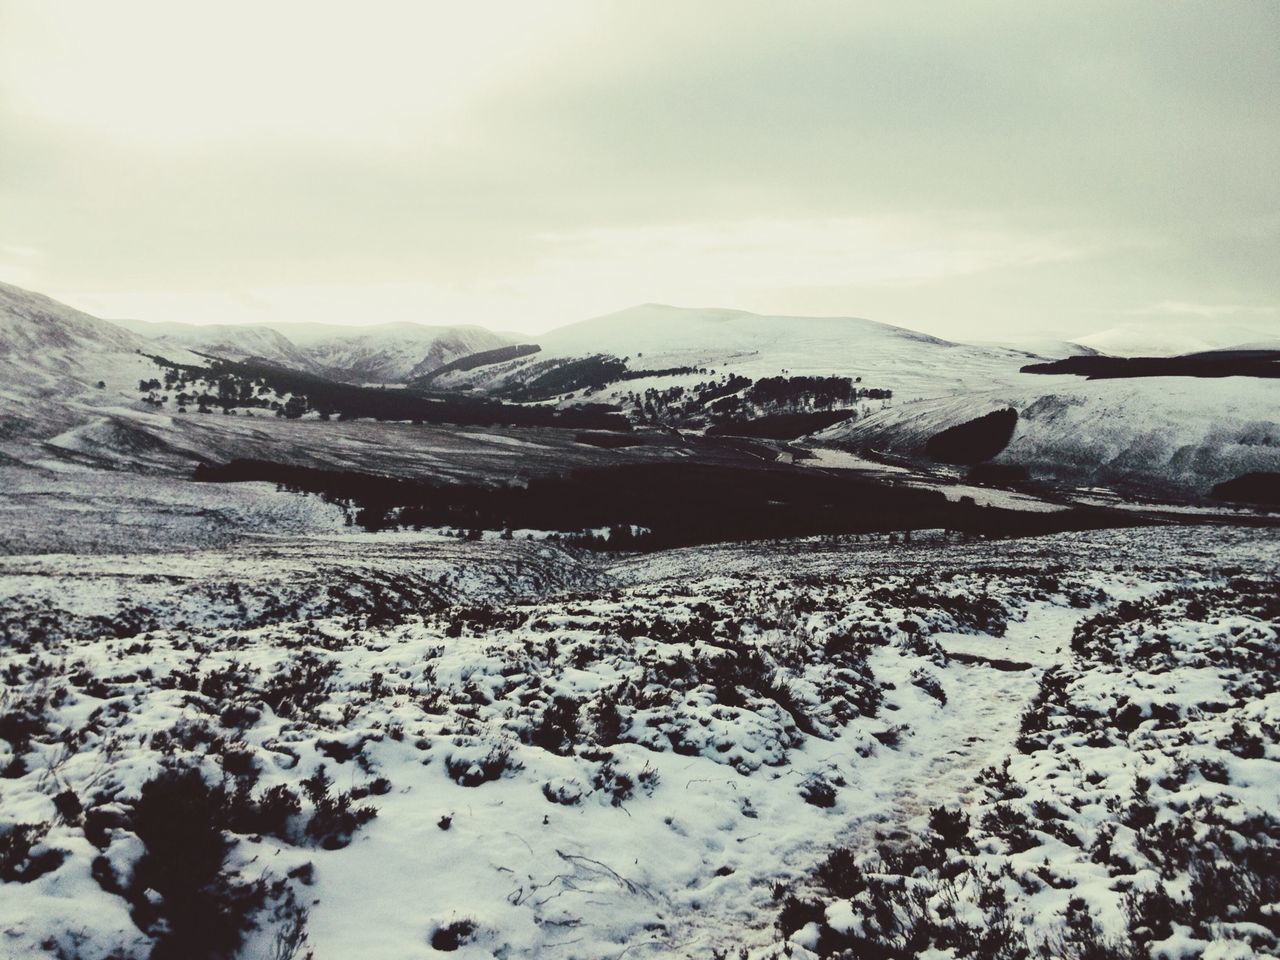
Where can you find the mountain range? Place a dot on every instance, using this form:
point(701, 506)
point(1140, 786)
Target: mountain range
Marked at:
point(374, 353)
point(64, 372)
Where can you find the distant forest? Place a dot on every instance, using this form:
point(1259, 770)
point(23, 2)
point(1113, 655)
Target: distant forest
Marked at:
point(1217, 363)
point(659, 505)
point(781, 407)
point(230, 385)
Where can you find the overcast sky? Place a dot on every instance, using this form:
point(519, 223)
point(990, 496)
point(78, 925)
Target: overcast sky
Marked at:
point(972, 169)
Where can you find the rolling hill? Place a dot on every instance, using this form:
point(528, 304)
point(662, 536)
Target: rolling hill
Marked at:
point(1167, 337)
point(1170, 435)
point(660, 337)
point(378, 353)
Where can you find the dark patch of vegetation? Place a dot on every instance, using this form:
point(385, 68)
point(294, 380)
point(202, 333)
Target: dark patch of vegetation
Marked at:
point(453, 935)
point(675, 504)
point(780, 426)
point(1216, 363)
point(819, 792)
point(239, 385)
point(555, 378)
point(17, 862)
point(335, 817)
point(472, 773)
point(974, 441)
point(201, 912)
point(1259, 487)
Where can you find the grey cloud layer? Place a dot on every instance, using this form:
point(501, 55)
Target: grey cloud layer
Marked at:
point(1146, 133)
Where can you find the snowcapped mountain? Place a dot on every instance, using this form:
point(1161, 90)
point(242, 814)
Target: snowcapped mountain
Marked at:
point(1042, 347)
point(40, 329)
point(379, 353)
point(229, 341)
point(389, 352)
point(658, 337)
point(1178, 434)
point(61, 369)
point(47, 347)
point(1172, 337)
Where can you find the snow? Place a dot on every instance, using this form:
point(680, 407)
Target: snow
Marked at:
point(656, 336)
point(710, 819)
point(1175, 434)
point(1169, 336)
point(373, 353)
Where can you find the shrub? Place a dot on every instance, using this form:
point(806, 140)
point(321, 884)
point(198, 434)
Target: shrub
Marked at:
point(839, 873)
point(453, 935)
point(556, 729)
point(472, 773)
point(950, 829)
point(818, 791)
point(16, 861)
point(202, 913)
point(797, 914)
point(334, 818)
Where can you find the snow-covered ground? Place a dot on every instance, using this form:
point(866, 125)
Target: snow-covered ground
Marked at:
point(724, 751)
point(1164, 434)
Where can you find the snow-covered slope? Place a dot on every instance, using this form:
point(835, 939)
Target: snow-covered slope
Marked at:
point(751, 751)
point(379, 353)
point(1042, 347)
point(390, 352)
point(39, 335)
point(1169, 338)
point(656, 336)
point(50, 349)
point(61, 369)
point(1181, 434)
point(229, 341)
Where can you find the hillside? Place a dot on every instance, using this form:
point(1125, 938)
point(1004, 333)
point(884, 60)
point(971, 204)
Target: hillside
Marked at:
point(377, 353)
point(229, 341)
point(392, 352)
point(804, 750)
point(660, 337)
point(48, 349)
point(1175, 434)
point(1167, 337)
point(43, 343)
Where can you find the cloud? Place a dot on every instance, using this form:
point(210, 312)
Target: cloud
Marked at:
point(1008, 166)
point(1206, 310)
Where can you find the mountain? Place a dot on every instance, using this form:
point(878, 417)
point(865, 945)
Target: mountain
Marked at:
point(60, 368)
point(1175, 435)
point(1173, 337)
point(1045, 347)
point(389, 352)
point(226, 340)
point(379, 353)
point(660, 337)
point(47, 347)
point(42, 331)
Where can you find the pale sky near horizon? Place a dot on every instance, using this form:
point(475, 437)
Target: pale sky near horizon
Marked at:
point(980, 169)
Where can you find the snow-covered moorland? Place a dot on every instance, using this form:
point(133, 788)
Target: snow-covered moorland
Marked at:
point(940, 749)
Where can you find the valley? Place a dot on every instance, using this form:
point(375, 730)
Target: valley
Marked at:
point(687, 634)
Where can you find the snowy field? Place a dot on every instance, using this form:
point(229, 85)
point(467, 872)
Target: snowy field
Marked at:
point(395, 746)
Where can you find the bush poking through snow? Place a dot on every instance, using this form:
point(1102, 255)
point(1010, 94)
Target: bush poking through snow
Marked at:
point(453, 935)
point(472, 773)
point(196, 911)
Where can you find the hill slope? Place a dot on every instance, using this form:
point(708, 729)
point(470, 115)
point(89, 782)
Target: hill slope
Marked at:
point(1172, 434)
point(226, 340)
point(1170, 337)
point(378, 353)
point(660, 337)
